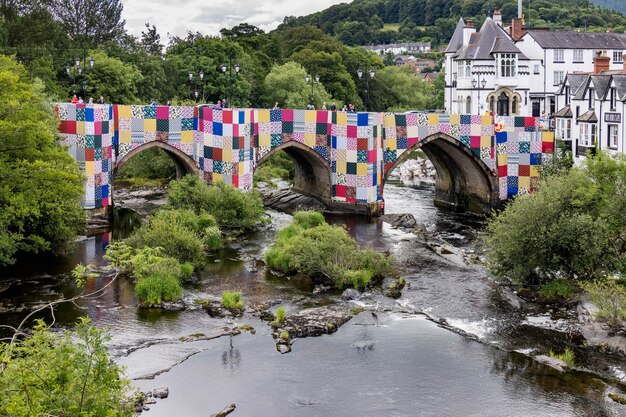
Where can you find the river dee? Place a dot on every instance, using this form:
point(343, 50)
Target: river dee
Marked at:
point(398, 364)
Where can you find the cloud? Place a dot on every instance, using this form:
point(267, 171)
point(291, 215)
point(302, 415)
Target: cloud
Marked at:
point(178, 18)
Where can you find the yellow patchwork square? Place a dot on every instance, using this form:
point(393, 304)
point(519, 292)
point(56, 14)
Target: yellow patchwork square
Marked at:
point(389, 120)
point(391, 144)
point(485, 141)
point(264, 116)
point(265, 140)
point(502, 160)
point(89, 168)
point(523, 182)
point(455, 119)
point(342, 167)
point(486, 120)
point(125, 136)
point(186, 136)
point(80, 128)
point(149, 125)
point(227, 155)
point(433, 119)
point(310, 116)
point(547, 136)
point(309, 138)
point(242, 168)
point(217, 178)
point(123, 112)
point(534, 171)
point(342, 119)
point(361, 169)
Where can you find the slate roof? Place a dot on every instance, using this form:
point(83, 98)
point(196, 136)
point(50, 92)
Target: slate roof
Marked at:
point(489, 40)
point(578, 40)
point(580, 93)
point(564, 112)
point(601, 84)
point(588, 117)
point(456, 42)
point(620, 85)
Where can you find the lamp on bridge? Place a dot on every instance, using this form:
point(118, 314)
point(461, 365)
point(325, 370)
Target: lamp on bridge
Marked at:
point(198, 84)
point(313, 81)
point(76, 71)
point(372, 73)
point(478, 83)
point(230, 68)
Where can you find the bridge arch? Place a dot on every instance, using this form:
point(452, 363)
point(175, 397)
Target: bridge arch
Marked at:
point(312, 172)
point(464, 181)
point(183, 162)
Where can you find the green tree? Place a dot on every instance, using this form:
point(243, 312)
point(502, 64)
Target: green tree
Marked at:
point(89, 22)
point(115, 80)
point(286, 85)
point(51, 374)
point(40, 184)
point(401, 90)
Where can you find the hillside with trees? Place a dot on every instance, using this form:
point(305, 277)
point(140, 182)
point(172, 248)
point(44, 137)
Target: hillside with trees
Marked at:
point(365, 22)
point(617, 5)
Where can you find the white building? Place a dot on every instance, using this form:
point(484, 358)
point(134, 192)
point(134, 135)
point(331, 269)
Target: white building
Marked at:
point(592, 108)
point(400, 48)
point(518, 70)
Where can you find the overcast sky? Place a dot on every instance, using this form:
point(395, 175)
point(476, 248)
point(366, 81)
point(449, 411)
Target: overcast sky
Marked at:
point(177, 17)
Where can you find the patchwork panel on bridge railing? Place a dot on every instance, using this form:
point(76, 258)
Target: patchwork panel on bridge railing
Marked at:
point(520, 147)
point(87, 131)
point(227, 146)
point(174, 125)
point(404, 131)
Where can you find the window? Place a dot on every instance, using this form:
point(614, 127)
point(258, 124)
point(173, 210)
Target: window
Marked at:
point(536, 69)
point(507, 65)
point(613, 96)
point(588, 134)
point(468, 69)
point(564, 129)
point(578, 55)
point(613, 136)
point(567, 96)
point(514, 109)
point(592, 98)
point(558, 77)
point(617, 57)
point(468, 105)
point(559, 55)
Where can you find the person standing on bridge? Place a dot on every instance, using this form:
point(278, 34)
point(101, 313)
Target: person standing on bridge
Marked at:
point(80, 100)
point(333, 107)
point(219, 104)
point(276, 107)
point(74, 99)
point(101, 100)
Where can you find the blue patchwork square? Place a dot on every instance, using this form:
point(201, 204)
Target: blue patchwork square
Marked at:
point(218, 167)
point(400, 120)
point(149, 112)
point(465, 140)
point(466, 119)
point(501, 137)
point(362, 119)
point(287, 127)
point(242, 117)
point(402, 143)
point(276, 115)
point(89, 117)
point(519, 121)
point(361, 156)
point(217, 128)
point(535, 159)
point(322, 150)
point(208, 152)
point(524, 147)
point(80, 115)
point(276, 139)
point(333, 166)
point(390, 156)
point(187, 124)
point(97, 154)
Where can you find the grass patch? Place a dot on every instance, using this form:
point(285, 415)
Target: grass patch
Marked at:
point(281, 315)
point(357, 310)
point(390, 27)
point(232, 301)
point(567, 356)
point(558, 289)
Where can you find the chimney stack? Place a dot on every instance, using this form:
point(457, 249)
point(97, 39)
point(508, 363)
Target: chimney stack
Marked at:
point(601, 63)
point(468, 30)
point(497, 17)
point(517, 29)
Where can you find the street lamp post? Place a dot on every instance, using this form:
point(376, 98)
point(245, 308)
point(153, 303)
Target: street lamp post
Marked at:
point(313, 81)
point(371, 73)
point(230, 68)
point(479, 85)
point(77, 70)
point(198, 84)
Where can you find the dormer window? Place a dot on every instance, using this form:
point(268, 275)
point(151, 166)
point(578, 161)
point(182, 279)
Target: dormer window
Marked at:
point(567, 95)
point(613, 99)
point(507, 65)
point(592, 98)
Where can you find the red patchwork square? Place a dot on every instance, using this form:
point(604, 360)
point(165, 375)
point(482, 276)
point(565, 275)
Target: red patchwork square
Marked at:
point(227, 116)
point(361, 144)
point(89, 154)
point(547, 147)
point(524, 171)
point(503, 171)
point(287, 115)
point(163, 112)
point(340, 191)
point(217, 154)
point(475, 141)
point(352, 131)
point(235, 181)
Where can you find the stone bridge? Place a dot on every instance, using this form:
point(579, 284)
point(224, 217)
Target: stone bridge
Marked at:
point(342, 159)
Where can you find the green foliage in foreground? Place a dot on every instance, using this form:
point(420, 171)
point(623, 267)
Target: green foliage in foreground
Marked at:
point(327, 253)
point(558, 289)
point(571, 228)
point(610, 298)
point(152, 164)
point(231, 208)
point(183, 234)
point(70, 374)
point(232, 301)
point(40, 184)
point(567, 356)
point(281, 315)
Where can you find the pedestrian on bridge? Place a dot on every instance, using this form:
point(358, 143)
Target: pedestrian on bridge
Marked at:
point(101, 100)
point(74, 99)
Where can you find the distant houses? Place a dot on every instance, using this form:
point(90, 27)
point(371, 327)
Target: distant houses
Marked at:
point(400, 48)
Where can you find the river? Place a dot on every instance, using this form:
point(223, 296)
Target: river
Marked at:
point(450, 346)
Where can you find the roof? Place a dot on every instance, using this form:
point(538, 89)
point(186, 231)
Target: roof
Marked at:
point(582, 89)
point(601, 84)
point(588, 117)
point(620, 85)
point(489, 40)
point(578, 40)
point(456, 42)
point(564, 112)
point(575, 82)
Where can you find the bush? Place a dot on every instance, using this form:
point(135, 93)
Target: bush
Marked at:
point(557, 289)
point(232, 301)
point(610, 298)
point(567, 229)
point(212, 237)
point(281, 315)
point(231, 207)
point(155, 289)
point(158, 277)
point(67, 374)
point(327, 253)
point(166, 229)
point(151, 164)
